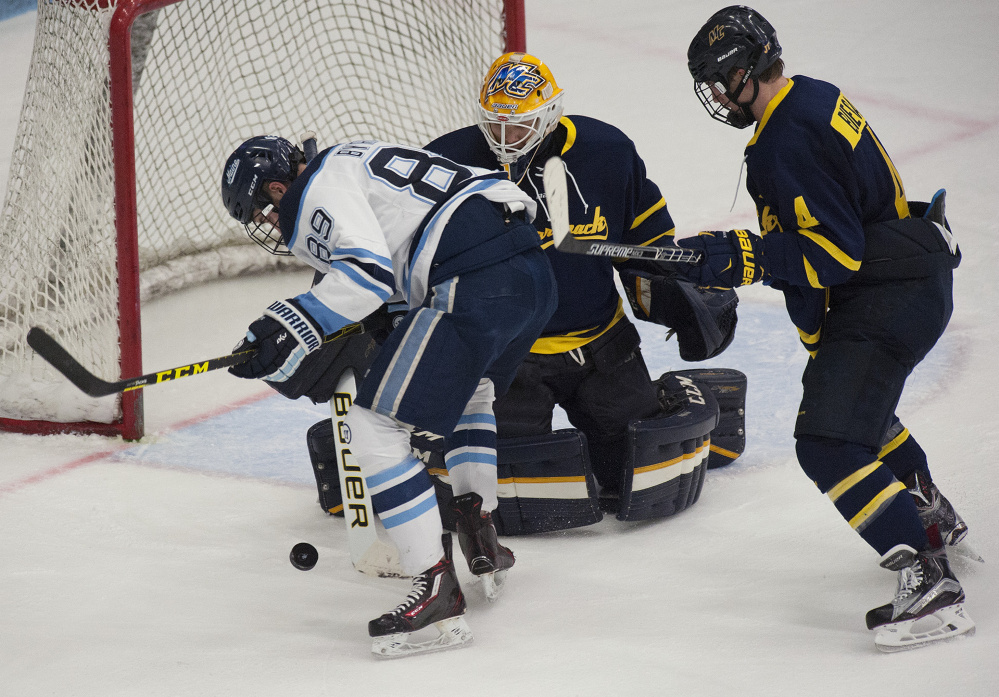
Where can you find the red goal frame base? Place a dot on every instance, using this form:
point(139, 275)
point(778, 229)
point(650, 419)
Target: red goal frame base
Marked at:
point(128, 428)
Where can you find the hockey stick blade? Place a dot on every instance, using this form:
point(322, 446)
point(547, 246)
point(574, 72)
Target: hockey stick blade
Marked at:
point(557, 195)
point(60, 359)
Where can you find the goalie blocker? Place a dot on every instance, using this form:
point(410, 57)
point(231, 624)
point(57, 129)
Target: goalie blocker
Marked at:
point(546, 484)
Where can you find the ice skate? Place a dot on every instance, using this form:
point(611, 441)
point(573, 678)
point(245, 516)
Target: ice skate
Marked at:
point(928, 606)
point(437, 600)
point(935, 510)
point(486, 557)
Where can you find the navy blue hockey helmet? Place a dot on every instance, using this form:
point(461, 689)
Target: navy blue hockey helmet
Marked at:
point(736, 37)
point(259, 160)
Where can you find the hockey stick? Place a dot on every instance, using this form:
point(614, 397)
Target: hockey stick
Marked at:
point(60, 359)
point(557, 194)
point(309, 146)
point(368, 552)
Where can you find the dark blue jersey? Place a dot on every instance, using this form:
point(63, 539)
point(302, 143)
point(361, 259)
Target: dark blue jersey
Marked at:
point(610, 199)
point(818, 176)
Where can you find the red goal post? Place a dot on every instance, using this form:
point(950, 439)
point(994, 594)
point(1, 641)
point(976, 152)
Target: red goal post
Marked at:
point(131, 107)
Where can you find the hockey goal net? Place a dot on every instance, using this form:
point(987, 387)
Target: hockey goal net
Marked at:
point(130, 109)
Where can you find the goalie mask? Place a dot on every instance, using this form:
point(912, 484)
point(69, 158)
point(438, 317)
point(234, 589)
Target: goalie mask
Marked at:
point(519, 105)
point(737, 37)
point(259, 160)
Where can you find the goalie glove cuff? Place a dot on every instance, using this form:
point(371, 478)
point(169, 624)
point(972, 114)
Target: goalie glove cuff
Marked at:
point(704, 319)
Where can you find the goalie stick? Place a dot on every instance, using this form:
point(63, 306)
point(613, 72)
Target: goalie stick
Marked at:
point(557, 194)
point(60, 359)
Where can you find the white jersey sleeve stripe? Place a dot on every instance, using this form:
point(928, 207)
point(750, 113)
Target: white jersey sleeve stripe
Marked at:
point(353, 295)
point(329, 320)
point(362, 255)
point(382, 287)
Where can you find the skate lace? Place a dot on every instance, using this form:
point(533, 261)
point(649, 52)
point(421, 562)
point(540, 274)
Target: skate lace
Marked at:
point(909, 579)
point(419, 588)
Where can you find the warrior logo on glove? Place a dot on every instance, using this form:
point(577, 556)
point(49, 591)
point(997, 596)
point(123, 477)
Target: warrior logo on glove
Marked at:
point(277, 358)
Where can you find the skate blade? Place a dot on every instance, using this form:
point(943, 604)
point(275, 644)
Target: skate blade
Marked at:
point(966, 550)
point(454, 633)
point(492, 584)
point(946, 623)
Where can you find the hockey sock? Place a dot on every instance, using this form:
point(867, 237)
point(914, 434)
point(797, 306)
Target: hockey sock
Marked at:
point(471, 459)
point(902, 454)
point(864, 491)
point(402, 493)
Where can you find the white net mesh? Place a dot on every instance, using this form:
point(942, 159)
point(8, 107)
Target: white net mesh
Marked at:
point(207, 74)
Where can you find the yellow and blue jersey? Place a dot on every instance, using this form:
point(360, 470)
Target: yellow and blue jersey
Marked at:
point(610, 199)
point(818, 175)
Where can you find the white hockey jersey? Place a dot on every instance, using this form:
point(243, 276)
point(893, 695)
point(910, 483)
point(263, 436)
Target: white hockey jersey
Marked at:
point(370, 214)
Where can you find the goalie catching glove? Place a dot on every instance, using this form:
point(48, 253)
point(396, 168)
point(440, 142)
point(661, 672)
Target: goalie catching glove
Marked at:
point(731, 258)
point(703, 319)
point(283, 336)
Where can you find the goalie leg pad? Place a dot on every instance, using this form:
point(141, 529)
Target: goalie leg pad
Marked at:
point(728, 438)
point(324, 465)
point(545, 484)
point(668, 456)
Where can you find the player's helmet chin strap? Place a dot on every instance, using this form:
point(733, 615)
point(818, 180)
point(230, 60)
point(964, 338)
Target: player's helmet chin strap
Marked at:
point(520, 167)
point(740, 114)
point(735, 113)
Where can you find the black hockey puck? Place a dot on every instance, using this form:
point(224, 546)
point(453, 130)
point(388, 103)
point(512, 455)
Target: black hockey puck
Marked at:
point(304, 556)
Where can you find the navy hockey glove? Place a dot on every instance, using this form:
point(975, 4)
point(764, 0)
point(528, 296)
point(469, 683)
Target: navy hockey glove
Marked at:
point(283, 336)
point(731, 258)
point(384, 320)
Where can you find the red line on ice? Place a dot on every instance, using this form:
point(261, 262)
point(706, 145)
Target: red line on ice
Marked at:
point(97, 457)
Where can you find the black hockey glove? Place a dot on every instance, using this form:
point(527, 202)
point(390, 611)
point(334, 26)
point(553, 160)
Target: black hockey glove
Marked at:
point(732, 258)
point(382, 321)
point(283, 336)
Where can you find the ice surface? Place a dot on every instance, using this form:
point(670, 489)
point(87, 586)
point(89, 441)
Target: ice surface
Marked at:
point(161, 568)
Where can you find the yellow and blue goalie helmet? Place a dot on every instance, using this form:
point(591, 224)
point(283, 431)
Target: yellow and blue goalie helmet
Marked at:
point(519, 105)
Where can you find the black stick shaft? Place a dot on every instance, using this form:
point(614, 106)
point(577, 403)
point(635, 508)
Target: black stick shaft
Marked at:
point(53, 352)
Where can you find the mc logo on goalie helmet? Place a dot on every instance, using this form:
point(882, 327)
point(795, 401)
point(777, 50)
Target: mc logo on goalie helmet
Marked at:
point(517, 80)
